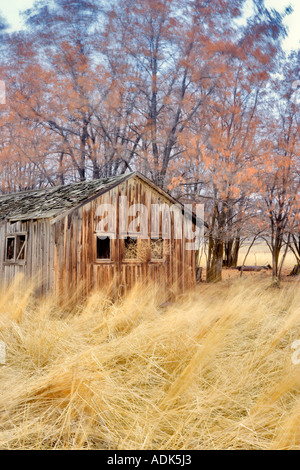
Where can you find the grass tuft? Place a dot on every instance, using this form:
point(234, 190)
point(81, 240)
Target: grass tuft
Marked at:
point(212, 371)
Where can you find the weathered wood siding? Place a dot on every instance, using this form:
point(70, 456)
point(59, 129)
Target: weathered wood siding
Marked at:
point(38, 263)
point(61, 253)
point(75, 249)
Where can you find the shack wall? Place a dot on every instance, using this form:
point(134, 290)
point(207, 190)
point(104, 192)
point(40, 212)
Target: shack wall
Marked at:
point(38, 263)
point(75, 262)
point(61, 253)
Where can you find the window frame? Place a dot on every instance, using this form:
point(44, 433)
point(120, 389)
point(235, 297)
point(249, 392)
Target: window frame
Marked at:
point(157, 260)
point(139, 245)
point(131, 260)
point(15, 260)
point(103, 260)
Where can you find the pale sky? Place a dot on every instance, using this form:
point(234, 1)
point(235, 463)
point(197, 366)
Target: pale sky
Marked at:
point(10, 9)
point(292, 21)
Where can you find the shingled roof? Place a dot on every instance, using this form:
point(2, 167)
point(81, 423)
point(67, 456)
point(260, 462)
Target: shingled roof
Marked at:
point(50, 202)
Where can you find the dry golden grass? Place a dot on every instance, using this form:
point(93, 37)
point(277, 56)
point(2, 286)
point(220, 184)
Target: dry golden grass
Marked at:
point(213, 371)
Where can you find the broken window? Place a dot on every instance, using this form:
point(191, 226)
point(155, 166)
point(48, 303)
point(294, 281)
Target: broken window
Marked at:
point(157, 246)
point(130, 248)
point(136, 249)
point(15, 248)
point(103, 247)
point(10, 248)
point(20, 245)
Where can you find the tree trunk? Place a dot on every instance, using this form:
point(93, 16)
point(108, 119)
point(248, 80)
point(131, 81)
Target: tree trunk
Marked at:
point(235, 254)
point(83, 140)
point(60, 174)
point(296, 270)
point(214, 265)
point(96, 169)
point(231, 250)
point(275, 260)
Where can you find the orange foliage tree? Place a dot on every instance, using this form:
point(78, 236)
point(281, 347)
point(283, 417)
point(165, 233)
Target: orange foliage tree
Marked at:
point(278, 179)
point(175, 89)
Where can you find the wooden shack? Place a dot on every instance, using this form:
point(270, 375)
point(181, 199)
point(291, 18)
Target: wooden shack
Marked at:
point(57, 236)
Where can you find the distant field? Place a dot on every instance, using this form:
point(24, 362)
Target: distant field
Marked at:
point(261, 255)
point(214, 370)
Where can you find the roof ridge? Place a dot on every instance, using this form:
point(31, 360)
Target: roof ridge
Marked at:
point(60, 186)
point(50, 202)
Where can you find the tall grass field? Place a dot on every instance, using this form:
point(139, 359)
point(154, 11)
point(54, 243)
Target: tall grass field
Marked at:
point(217, 369)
